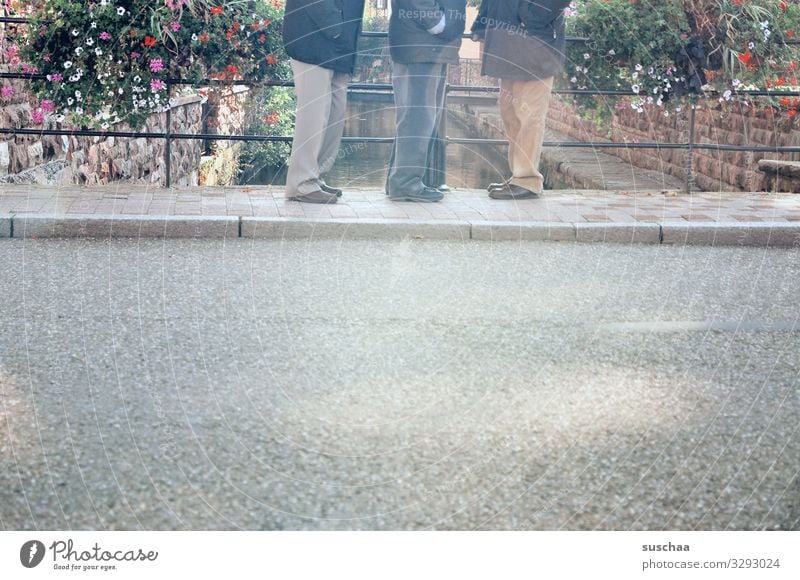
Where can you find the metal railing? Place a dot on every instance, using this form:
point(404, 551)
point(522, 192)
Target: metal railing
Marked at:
point(439, 161)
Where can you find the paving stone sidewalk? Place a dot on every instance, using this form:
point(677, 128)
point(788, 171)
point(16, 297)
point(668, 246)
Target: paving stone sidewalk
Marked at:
point(261, 211)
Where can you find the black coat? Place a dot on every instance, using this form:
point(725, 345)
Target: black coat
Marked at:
point(409, 39)
point(323, 32)
point(524, 39)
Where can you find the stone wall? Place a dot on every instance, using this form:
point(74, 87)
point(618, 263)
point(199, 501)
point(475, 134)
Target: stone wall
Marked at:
point(226, 115)
point(100, 160)
point(714, 124)
point(23, 155)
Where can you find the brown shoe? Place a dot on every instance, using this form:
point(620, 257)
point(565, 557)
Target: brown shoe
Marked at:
point(318, 196)
point(513, 192)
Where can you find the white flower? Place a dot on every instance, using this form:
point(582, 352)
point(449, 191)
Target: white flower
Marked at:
point(612, 52)
point(586, 56)
point(120, 11)
point(736, 83)
point(104, 126)
point(137, 79)
point(90, 42)
point(93, 25)
point(120, 91)
point(655, 90)
point(79, 110)
point(79, 50)
point(70, 100)
point(751, 45)
point(635, 75)
point(635, 89)
point(78, 95)
point(68, 64)
point(651, 71)
point(573, 80)
point(194, 37)
point(98, 51)
point(638, 67)
point(75, 32)
point(74, 78)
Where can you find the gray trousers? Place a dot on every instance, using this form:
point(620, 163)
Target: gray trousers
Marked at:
point(321, 103)
point(419, 92)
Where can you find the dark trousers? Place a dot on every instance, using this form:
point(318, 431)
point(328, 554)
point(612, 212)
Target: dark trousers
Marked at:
point(419, 92)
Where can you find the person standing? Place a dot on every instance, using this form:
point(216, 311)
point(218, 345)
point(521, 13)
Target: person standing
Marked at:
point(524, 48)
point(424, 37)
point(320, 37)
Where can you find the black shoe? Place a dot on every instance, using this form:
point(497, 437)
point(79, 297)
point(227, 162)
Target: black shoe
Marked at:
point(315, 197)
point(426, 194)
point(328, 189)
point(513, 192)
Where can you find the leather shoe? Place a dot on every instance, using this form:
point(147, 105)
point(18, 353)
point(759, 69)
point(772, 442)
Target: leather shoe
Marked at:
point(512, 191)
point(426, 194)
point(502, 185)
point(328, 189)
point(315, 197)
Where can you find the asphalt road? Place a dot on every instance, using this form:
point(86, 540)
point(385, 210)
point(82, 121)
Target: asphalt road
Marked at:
point(269, 385)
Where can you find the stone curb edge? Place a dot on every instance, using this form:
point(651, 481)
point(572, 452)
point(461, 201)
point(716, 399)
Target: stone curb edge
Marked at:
point(762, 234)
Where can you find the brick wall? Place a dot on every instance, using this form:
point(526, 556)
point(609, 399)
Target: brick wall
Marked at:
point(714, 124)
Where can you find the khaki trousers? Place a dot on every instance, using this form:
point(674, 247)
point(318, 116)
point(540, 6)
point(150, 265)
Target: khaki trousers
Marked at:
point(523, 108)
point(321, 102)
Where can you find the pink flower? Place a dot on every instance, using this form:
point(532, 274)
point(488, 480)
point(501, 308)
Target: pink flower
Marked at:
point(176, 26)
point(135, 54)
point(38, 116)
point(105, 35)
point(7, 91)
point(56, 78)
point(156, 65)
point(157, 85)
point(29, 69)
point(48, 106)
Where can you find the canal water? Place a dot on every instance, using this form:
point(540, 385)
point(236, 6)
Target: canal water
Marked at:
point(364, 165)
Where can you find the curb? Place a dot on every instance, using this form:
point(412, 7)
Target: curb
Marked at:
point(353, 229)
point(123, 226)
point(755, 234)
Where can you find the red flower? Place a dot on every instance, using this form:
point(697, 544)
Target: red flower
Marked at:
point(792, 112)
point(149, 41)
point(262, 39)
point(271, 59)
point(216, 10)
point(783, 5)
point(236, 26)
point(786, 101)
point(204, 37)
point(229, 34)
point(790, 33)
point(231, 70)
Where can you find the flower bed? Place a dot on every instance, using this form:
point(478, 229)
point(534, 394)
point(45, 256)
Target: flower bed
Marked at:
point(111, 61)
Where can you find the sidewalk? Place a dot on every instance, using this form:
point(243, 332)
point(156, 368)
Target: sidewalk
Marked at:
point(124, 210)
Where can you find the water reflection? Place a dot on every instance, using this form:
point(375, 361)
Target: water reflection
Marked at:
point(366, 164)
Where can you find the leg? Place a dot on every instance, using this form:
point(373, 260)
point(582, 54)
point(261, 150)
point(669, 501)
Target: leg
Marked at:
point(313, 89)
point(434, 175)
point(530, 104)
point(416, 110)
point(335, 128)
point(508, 114)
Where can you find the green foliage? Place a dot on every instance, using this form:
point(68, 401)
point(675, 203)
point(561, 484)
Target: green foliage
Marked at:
point(110, 60)
point(274, 115)
point(669, 51)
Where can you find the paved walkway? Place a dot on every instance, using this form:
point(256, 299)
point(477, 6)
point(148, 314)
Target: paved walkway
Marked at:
point(126, 210)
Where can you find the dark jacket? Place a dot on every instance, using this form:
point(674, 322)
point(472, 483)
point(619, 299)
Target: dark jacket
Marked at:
point(409, 39)
point(323, 32)
point(524, 39)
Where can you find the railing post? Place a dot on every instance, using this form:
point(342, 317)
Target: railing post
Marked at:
point(690, 151)
point(168, 136)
